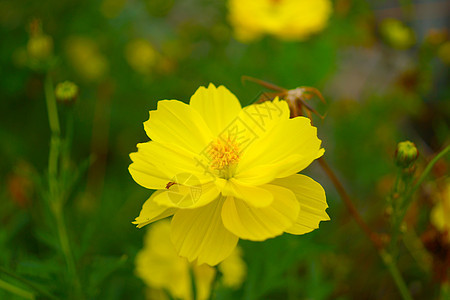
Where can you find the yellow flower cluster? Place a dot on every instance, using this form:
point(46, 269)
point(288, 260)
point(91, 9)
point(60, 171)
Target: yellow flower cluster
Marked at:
point(225, 172)
point(285, 19)
point(159, 266)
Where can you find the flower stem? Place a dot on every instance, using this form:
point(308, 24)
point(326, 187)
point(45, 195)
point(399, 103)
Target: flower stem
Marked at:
point(407, 199)
point(65, 248)
point(56, 200)
point(213, 284)
point(193, 283)
point(15, 290)
point(373, 237)
point(395, 273)
point(376, 241)
point(27, 283)
point(52, 110)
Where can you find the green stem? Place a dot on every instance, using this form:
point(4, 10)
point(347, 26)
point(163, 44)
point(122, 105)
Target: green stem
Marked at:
point(15, 290)
point(214, 283)
point(394, 202)
point(395, 273)
point(417, 250)
point(51, 106)
point(373, 237)
point(193, 283)
point(407, 200)
point(56, 196)
point(27, 283)
point(65, 248)
point(55, 140)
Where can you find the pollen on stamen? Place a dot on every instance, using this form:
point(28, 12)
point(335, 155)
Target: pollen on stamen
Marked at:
point(223, 153)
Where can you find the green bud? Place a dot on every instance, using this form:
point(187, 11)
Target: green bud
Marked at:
point(406, 154)
point(66, 91)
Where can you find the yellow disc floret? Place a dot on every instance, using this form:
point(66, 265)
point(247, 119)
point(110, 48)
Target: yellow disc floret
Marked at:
point(224, 155)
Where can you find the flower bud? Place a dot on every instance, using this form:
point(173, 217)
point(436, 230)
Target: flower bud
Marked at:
point(40, 47)
point(406, 154)
point(66, 91)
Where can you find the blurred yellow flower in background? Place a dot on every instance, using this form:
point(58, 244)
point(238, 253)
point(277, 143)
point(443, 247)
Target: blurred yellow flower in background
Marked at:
point(233, 269)
point(141, 55)
point(39, 49)
point(444, 52)
point(397, 34)
point(86, 58)
point(227, 172)
point(440, 214)
point(285, 19)
point(159, 266)
point(40, 46)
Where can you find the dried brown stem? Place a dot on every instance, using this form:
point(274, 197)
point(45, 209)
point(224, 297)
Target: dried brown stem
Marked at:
point(374, 237)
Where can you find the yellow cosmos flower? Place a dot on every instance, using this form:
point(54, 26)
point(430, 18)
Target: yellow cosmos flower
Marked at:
point(159, 266)
point(286, 19)
point(225, 172)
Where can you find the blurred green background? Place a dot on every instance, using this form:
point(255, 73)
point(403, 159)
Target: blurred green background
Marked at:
point(126, 55)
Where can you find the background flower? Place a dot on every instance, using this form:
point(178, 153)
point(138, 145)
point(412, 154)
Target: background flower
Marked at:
point(285, 19)
point(159, 266)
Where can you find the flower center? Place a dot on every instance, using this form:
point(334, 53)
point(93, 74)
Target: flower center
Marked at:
point(224, 155)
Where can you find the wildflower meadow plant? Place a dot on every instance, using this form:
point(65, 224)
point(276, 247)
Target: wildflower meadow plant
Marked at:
point(225, 172)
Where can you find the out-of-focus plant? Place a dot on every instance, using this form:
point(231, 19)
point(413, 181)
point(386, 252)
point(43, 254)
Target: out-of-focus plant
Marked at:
point(401, 198)
point(397, 34)
point(160, 267)
point(440, 214)
point(86, 58)
point(285, 19)
point(141, 56)
point(39, 47)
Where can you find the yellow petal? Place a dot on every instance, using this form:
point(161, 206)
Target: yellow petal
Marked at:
point(291, 145)
point(218, 107)
point(311, 197)
point(168, 162)
point(253, 195)
point(259, 224)
point(266, 173)
point(152, 212)
point(188, 196)
point(176, 123)
point(199, 234)
point(146, 173)
point(255, 120)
